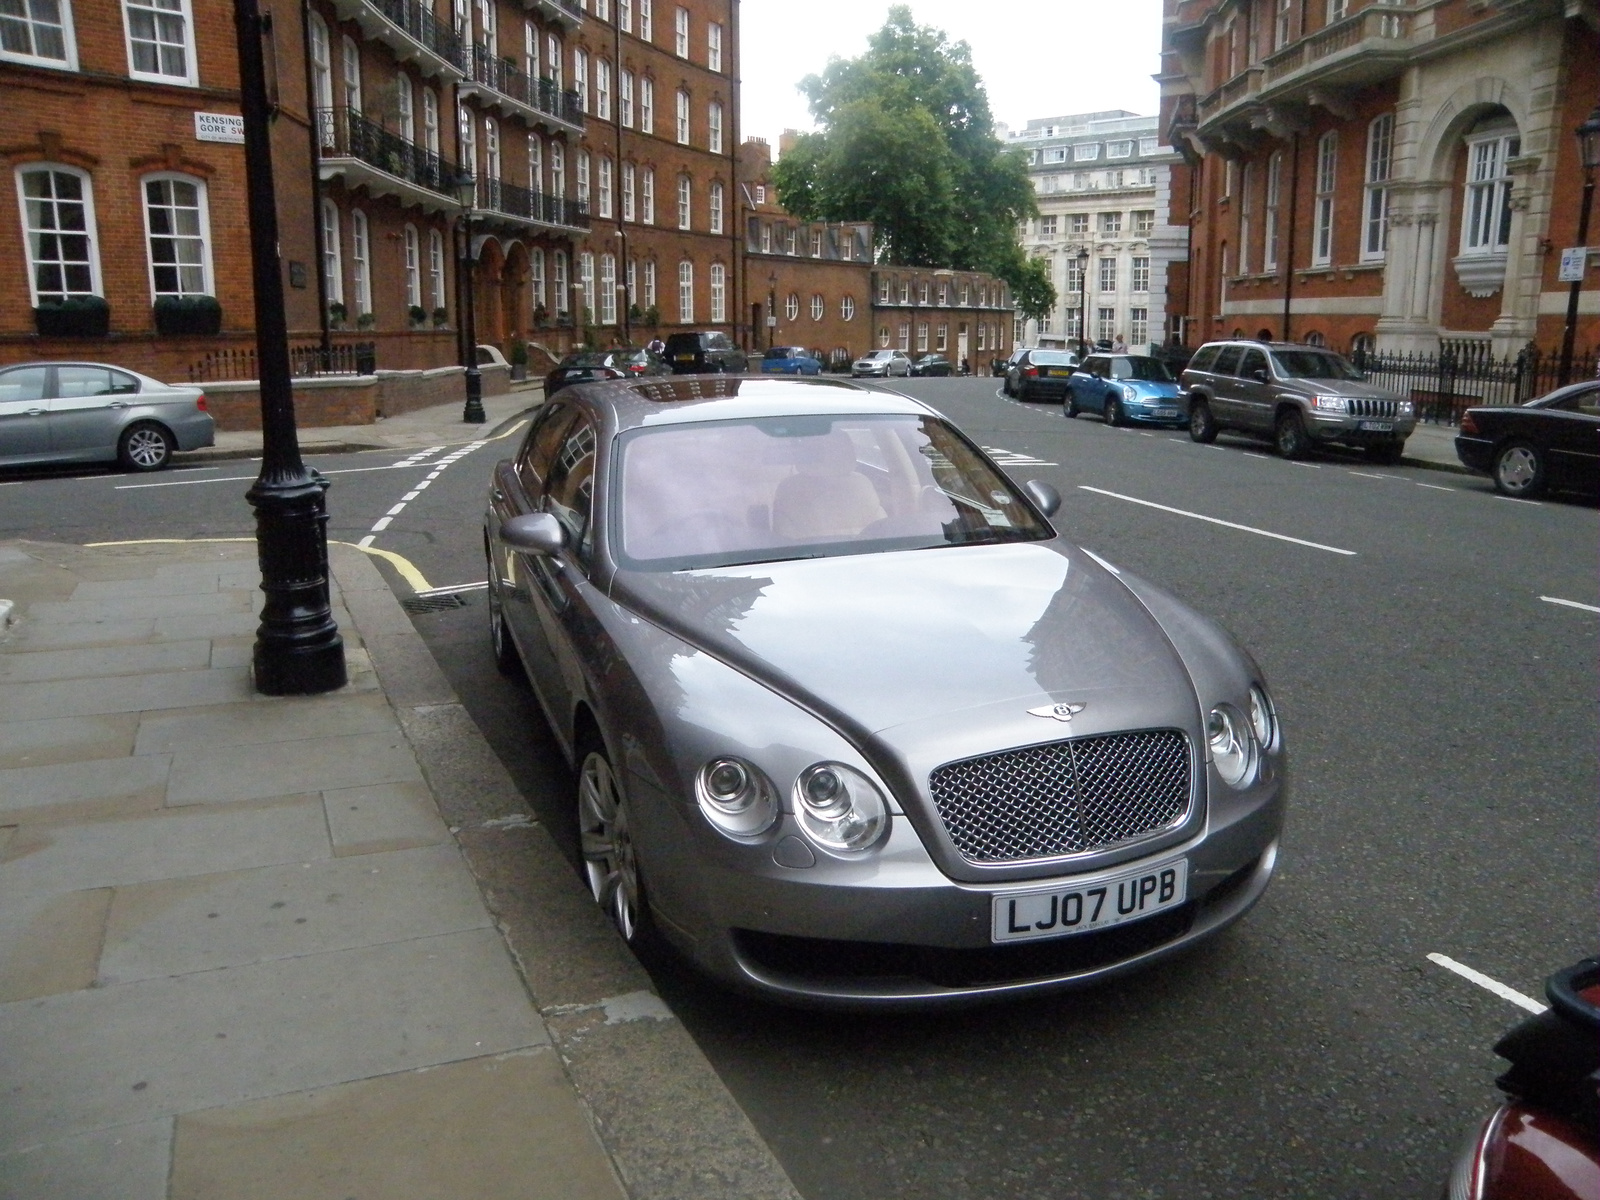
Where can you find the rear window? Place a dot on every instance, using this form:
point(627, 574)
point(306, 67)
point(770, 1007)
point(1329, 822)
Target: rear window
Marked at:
point(784, 352)
point(684, 341)
point(1052, 358)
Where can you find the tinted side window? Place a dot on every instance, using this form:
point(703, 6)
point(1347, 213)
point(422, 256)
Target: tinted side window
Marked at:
point(1204, 357)
point(539, 451)
point(25, 383)
point(1253, 361)
point(1227, 360)
point(569, 488)
point(72, 382)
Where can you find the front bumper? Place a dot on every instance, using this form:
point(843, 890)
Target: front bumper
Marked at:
point(1340, 427)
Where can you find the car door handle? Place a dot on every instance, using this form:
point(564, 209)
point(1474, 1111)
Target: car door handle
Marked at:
point(118, 404)
point(497, 494)
point(35, 412)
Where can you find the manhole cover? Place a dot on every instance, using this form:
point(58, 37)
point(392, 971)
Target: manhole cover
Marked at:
point(429, 604)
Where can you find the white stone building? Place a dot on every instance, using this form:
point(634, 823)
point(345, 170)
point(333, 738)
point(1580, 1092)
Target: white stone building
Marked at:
point(1104, 186)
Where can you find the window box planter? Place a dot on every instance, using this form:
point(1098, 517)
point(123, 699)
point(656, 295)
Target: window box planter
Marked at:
point(79, 316)
point(192, 316)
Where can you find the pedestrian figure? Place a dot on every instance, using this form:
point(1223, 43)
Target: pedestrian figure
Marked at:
point(1119, 346)
point(965, 369)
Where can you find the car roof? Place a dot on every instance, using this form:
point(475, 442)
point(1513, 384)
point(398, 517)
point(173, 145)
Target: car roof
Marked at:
point(79, 362)
point(1260, 345)
point(684, 399)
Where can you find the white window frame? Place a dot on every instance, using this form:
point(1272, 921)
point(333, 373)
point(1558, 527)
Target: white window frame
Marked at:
point(1283, 24)
point(1274, 200)
point(332, 252)
point(436, 271)
point(791, 306)
point(411, 246)
point(580, 77)
point(405, 99)
point(558, 169)
point(680, 33)
point(608, 289)
point(819, 306)
point(1138, 326)
point(1486, 198)
point(69, 41)
point(649, 295)
point(629, 184)
point(491, 149)
point(350, 73)
point(207, 279)
point(647, 104)
point(536, 277)
point(90, 228)
point(685, 202)
point(682, 126)
point(552, 58)
point(1119, 149)
point(535, 164)
point(580, 172)
point(602, 90)
point(559, 283)
point(190, 75)
point(646, 28)
point(586, 309)
point(719, 293)
point(1376, 192)
point(1326, 179)
point(1337, 10)
point(530, 51)
point(715, 225)
point(922, 337)
point(322, 78)
point(1139, 274)
point(361, 260)
point(714, 47)
point(430, 121)
point(1086, 152)
point(647, 196)
point(714, 127)
point(1246, 212)
point(625, 99)
point(1110, 224)
point(686, 292)
point(1107, 274)
point(847, 308)
point(625, 15)
point(604, 181)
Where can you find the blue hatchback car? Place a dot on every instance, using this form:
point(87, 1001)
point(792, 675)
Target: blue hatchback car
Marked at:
point(1123, 388)
point(790, 360)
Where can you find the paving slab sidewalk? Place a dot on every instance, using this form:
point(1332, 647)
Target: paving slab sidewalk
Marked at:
point(260, 947)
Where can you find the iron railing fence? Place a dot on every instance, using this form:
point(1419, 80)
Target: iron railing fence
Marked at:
point(495, 195)
point(344, 131)
point(305, 361)
point(1466, 373)
point(418, 21)
point(503, 76)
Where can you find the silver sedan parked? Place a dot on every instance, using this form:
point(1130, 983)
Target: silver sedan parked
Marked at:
point(881, 362)
point(92, 412)
point(854, 724)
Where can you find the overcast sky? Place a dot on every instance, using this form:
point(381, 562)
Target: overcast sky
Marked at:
point(1037, 58)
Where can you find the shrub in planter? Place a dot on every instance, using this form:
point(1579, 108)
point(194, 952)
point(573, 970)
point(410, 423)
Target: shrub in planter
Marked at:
point(337, 313)
point(518, 358)
point(635, 314)
point(197, 316)
point(76, 316)
point(417, 315)
point(541, 317)
point(652, 316)
point(440, 317)
point(366, 320)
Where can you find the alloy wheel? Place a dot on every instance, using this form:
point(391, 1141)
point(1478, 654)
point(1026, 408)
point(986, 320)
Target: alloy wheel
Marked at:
point(609, 862)
point(146, 448)
point(1518, 471)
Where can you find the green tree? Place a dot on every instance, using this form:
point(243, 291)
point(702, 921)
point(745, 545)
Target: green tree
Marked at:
point(1031, 289)
point(907, 141)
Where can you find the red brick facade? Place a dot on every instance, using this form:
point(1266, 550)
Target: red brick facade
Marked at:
point(1387, 175)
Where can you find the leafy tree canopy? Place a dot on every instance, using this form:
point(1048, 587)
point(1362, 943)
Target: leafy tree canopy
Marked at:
point(907, 142)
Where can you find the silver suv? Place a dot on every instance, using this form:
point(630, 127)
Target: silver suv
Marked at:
point(1296, 395)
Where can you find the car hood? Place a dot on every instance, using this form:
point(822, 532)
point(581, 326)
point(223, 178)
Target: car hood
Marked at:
point(1353, 389)
point(1154, 388)
point(873, 642)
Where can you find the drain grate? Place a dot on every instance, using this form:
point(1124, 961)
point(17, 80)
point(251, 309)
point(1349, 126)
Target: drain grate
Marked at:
point(431, 604)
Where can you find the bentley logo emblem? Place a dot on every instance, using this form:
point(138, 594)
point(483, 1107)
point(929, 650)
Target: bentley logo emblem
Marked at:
point(1061, 712)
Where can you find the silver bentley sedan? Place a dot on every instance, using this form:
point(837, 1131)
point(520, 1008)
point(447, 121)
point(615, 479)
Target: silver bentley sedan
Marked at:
point(853, 723)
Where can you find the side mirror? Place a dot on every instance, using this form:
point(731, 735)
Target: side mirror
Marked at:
point(534, 533)
point(1259, 374)
point(1045, 497)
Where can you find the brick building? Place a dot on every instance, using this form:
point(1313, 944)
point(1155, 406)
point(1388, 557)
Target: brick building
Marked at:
point(1103, 182)
point(601, 136)
point(1389, 174)
point(966, 316)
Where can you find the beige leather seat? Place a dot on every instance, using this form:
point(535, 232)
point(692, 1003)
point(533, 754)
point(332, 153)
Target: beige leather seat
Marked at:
point(827, 498)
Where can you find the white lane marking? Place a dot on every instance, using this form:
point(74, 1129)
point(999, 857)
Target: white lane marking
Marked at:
point(1252, 454)
point(1369, 475)
point(1487, 984)
point(183, 470)
point(1145, 433)
point(1569, 603)
point(1282, 537)
point(365, 542)
point(410, 496)
point(439, 466)
point(456, 588)
point(1313, 466)
point(124, 487)
point(1016, 458)
point(1514, 500)
point(381, 524)
point(1435, 487)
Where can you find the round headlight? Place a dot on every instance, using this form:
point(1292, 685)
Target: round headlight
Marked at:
point(1233, 750)
point(1263, 721)
point(839, 808)
point(736, 797)
point(1129, 392)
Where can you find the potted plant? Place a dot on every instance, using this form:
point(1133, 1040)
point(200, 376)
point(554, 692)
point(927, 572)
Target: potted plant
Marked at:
point(635, 314)
point(541, 317)
point(518, 359)
point(366, 320)
point(73, 316)
point(652, 316)
point(337, 313)
point(195, 316)
point(417, 316)
point(440, 317)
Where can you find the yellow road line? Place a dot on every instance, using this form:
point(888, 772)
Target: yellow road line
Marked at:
point(407, 569)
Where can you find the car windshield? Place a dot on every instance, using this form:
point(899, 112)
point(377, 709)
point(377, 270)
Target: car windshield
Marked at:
point(784, 352)
point(586, 360)
point(772, 488)
point(1052, 358)
point(878, 355)
point(1151, 369)
point(1313, 364)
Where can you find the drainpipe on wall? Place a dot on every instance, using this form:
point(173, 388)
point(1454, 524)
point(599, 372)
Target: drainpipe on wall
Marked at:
point(616, 184)
point(313, 129)
point(1288, 243)
point(735, 236)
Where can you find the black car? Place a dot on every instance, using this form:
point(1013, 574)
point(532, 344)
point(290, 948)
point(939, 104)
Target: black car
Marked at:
point(932, 364)
point(1551, 442)
point(707, 352)
point(1041, 374)
point(628, 362)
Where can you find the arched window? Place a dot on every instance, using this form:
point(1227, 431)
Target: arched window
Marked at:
point(683, 117)
point(1315, 339)
point(491, 152)
point(608, 289)
point(535, 163)
point(350, 58)
point(322, 79)
point(361, 260)
point(436, 271)
point(405, 100)
point(685, 202)
point(847, 308)
point(686, 293)
point(430, 121)
point(541, 293)
point(791, 306)
point(719, 293)
point(586, 285)
point(558, 170)
point(563, 304)
point(714, 128)
point(178, 232)
point(59, 231)
point(413, 264)
point(716, 208)
point(1375, 201)
point(332, 252)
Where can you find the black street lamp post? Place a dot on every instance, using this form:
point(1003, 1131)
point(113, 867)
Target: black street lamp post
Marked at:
point(472, 414)
point(1083, 302)
point(1589, 153)
point(298, 650)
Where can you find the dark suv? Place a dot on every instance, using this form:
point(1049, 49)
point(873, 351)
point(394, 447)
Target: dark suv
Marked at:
point(1296, 395)
point(707, 353)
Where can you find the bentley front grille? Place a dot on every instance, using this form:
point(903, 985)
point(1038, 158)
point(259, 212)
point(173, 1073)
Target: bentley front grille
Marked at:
point(1065, 797)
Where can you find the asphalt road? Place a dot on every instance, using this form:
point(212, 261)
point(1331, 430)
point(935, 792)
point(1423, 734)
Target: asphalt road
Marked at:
point(1442, 729)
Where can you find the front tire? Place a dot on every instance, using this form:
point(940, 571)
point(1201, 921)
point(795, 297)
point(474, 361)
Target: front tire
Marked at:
point(506, 659)
point(1113, 411)
point(145, 446)
point(1202, 425)
point(1071, 407)
point(1289, 435)
point(610, 860)
point(1519, 471)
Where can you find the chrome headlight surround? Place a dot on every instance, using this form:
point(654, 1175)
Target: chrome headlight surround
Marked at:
point(1263, 718)
point(839, 808)
point(1129, 392)
point(1329, 404)
point(1232, 746)
point(736, 797)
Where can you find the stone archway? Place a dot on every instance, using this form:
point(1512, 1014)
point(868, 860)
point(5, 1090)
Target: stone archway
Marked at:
point(488, 314)
point(514, 292)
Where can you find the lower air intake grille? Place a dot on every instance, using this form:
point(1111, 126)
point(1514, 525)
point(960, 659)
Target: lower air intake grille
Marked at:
point(1063, 797)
